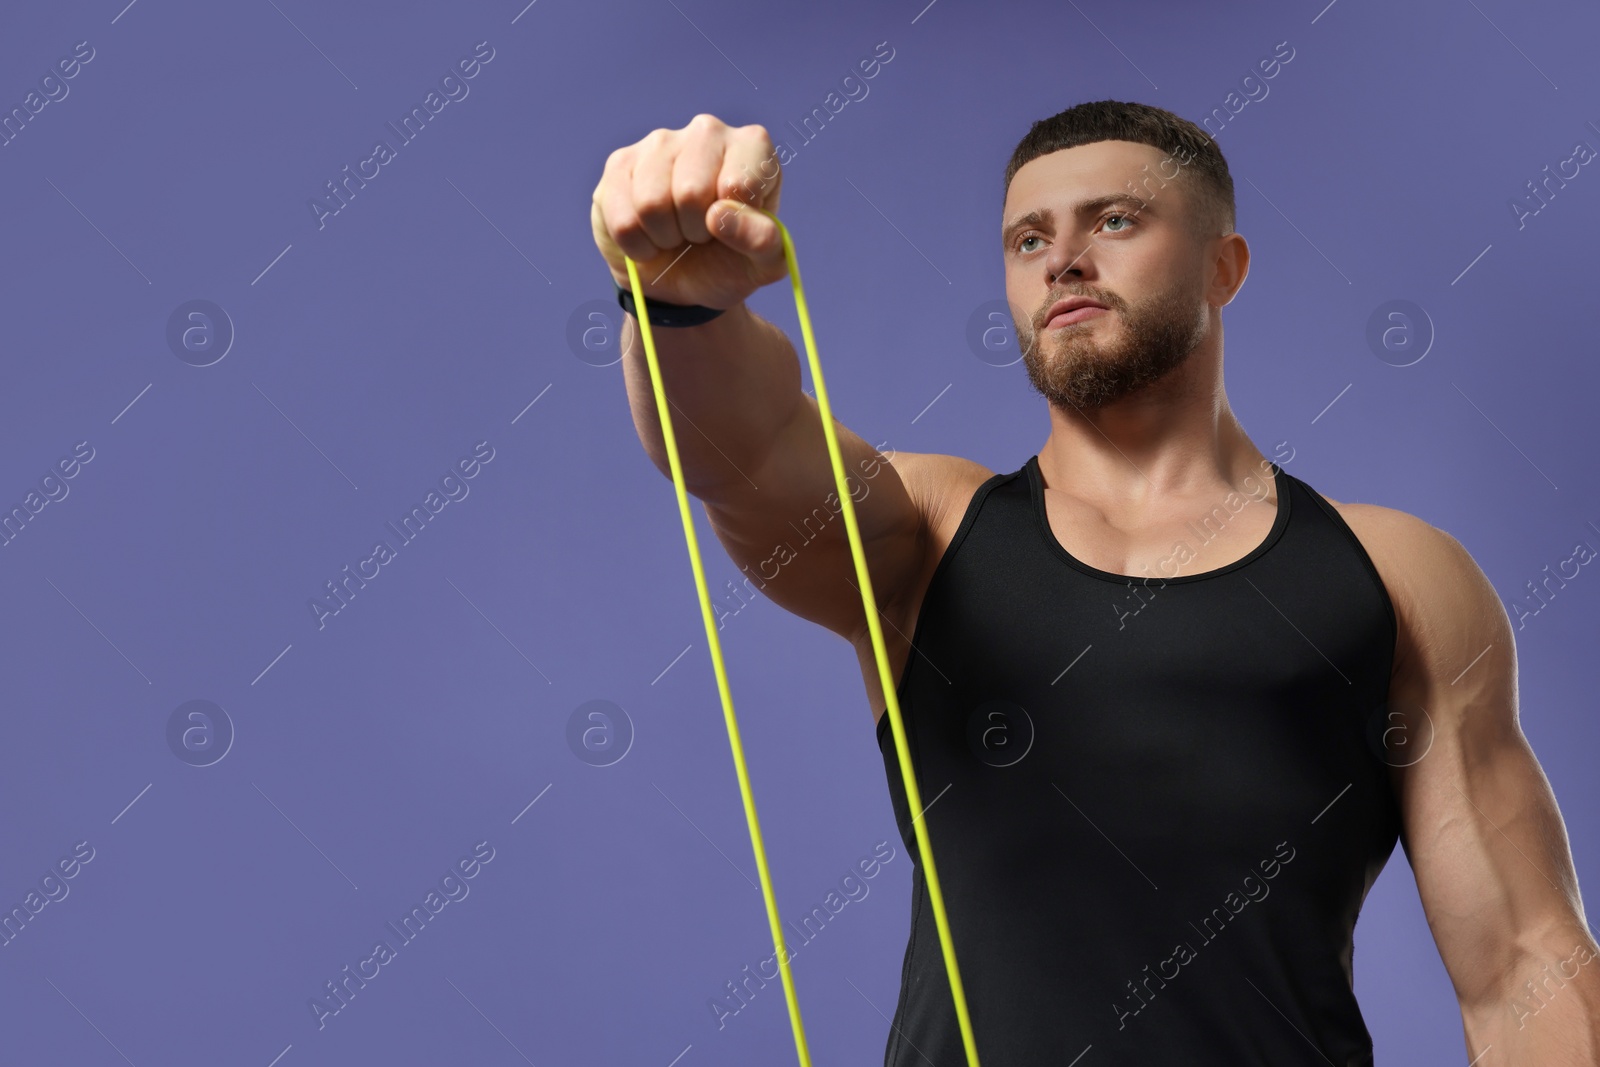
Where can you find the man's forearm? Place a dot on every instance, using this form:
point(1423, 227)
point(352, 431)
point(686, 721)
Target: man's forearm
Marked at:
point(732, 385)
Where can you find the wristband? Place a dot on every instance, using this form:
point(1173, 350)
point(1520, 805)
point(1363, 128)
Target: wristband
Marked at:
point(665, 314)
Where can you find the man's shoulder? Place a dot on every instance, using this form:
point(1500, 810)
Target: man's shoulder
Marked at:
point(1401, 538)
point(939, 485)
point(1441, 596)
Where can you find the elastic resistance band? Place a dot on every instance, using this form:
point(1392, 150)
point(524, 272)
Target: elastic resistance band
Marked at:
point(885, 675)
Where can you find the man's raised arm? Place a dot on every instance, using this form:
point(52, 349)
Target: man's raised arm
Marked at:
point(680, 204)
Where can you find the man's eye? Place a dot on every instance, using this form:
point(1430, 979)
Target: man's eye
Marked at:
point(1025, 240)
point(1124, 218)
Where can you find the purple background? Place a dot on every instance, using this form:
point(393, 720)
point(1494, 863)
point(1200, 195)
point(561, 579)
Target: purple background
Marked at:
point(435, 307)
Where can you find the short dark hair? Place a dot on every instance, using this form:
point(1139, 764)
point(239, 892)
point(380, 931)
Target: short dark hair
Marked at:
point(1116, 120)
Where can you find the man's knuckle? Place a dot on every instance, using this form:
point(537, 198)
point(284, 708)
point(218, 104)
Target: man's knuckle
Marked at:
point(625, 224)
point(692, 189)
point(653, 205)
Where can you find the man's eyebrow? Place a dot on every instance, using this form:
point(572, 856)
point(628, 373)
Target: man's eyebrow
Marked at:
point(1046, 217)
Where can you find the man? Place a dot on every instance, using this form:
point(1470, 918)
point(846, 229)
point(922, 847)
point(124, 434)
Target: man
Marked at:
point(1171, 707)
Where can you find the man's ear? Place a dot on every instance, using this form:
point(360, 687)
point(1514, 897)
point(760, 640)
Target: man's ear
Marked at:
point(1231, 263)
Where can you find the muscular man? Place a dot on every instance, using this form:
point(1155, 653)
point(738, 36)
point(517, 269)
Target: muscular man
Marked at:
point(1169, 707)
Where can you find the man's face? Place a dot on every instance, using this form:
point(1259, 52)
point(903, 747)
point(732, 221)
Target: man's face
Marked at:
point(1141, 261)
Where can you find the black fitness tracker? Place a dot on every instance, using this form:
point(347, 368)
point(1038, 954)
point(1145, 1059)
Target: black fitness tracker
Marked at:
point(665, 314)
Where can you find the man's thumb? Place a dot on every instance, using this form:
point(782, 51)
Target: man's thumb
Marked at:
point(747, 230)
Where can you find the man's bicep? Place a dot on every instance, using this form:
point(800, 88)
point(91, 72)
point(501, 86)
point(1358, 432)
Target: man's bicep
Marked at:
point(786, 531)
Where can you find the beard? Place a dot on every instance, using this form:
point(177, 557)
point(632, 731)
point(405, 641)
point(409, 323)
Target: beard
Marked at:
point(1074, 371)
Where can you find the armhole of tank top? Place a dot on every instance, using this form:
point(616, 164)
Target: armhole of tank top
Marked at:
point(967, 519)
point(1366, 560)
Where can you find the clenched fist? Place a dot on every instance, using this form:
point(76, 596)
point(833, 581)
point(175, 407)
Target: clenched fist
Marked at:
point(681, 204)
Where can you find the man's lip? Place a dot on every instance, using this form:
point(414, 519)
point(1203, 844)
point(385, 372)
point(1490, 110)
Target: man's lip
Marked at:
point(1078, 314)
point(1072, 303)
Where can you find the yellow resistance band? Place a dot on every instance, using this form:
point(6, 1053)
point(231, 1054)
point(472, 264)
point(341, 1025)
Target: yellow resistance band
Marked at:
point(885, 676)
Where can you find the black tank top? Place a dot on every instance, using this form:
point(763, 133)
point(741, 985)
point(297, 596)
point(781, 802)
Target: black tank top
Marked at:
point(1156, 806)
